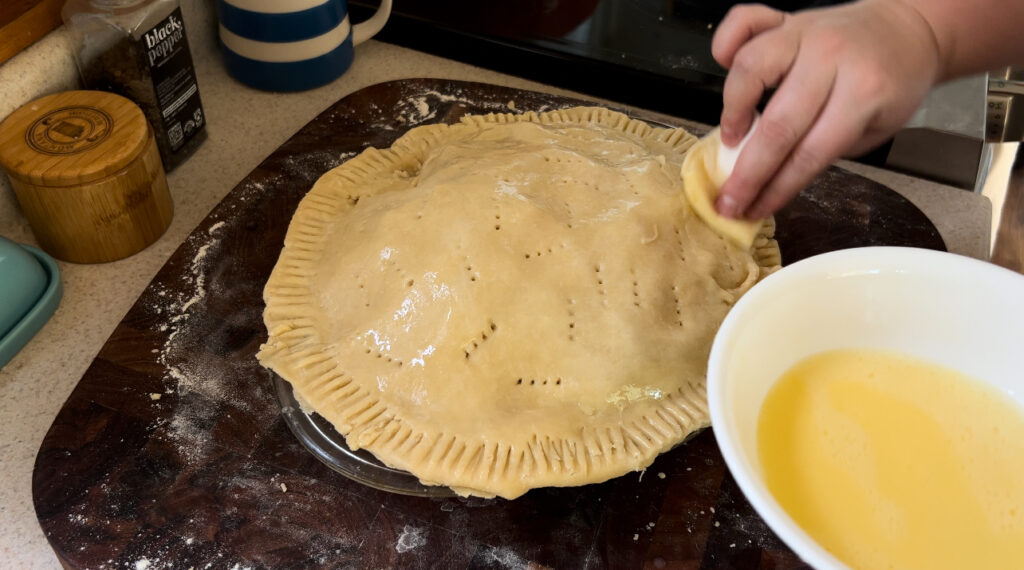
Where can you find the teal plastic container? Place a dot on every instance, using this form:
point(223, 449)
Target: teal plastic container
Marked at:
point(30, 291)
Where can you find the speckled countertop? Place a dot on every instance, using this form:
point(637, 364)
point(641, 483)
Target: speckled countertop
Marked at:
point(244, 127)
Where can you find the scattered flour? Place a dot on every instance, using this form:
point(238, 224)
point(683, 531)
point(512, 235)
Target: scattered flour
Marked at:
point(411, 538)
point(183, 373)
point(505, 557)
point(422, 106)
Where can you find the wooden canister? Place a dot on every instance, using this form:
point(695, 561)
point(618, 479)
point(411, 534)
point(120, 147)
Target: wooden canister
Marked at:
point(87, 172)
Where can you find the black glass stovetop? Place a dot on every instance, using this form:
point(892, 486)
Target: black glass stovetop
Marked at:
point(654, 54)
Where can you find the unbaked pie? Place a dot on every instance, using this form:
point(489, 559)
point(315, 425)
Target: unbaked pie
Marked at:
point(511, 302)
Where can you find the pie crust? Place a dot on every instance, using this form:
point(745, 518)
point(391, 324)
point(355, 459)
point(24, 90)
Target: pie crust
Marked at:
point(511, 302)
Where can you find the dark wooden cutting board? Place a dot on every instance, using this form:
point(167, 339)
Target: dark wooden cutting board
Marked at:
point(171, 452)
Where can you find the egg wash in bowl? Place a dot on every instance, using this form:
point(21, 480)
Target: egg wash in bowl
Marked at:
point(870, 405)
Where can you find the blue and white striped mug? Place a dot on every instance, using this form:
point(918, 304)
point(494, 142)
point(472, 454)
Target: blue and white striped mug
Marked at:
point(291, 45)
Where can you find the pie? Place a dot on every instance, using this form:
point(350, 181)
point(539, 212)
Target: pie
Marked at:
point(511, 302)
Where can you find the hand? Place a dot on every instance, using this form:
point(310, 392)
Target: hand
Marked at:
point(848, 77)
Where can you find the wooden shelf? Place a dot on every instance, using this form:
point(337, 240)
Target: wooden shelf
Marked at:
point(22, 22)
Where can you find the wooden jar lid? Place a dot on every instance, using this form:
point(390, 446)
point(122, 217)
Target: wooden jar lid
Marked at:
point(87, 173)
point(72, 138)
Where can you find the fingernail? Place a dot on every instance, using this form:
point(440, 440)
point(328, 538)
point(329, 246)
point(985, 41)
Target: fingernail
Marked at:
point(727, 206)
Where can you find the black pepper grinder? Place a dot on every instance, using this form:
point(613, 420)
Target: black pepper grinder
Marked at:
point(139, 49)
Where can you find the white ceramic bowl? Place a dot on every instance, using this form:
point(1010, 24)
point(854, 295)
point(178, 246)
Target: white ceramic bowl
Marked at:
point(952, 310)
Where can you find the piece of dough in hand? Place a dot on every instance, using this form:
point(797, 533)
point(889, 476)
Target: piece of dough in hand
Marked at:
point(703, 177)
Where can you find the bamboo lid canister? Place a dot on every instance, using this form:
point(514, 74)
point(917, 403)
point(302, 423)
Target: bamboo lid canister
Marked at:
point(87, 173)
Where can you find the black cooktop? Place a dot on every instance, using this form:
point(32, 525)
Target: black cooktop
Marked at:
point(654, 54)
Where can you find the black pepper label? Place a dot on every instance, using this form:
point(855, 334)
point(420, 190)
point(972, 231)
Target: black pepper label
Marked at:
point(165, 48)
point(69, 130)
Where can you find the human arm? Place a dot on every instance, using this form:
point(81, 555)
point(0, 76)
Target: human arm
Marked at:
point(847, 77)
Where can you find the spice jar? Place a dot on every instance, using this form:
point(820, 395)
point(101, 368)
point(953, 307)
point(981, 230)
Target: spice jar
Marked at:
point(139, 49)
point(87, 173)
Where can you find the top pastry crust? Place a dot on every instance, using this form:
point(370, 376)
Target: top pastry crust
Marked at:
point(512, 302)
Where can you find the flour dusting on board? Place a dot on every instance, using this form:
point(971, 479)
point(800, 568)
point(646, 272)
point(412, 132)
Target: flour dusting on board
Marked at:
point(178, 309)
point(411, 538)
point(423, 106)
point(189, 424)
point(504, 557)
point(195, 370)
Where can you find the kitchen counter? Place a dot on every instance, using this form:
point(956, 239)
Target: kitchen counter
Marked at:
point(244, 127)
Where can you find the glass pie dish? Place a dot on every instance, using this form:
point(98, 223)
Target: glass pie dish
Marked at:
point(325, 443)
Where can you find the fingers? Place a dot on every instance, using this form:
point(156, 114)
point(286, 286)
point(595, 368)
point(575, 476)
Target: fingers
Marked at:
point(756, 62)
point(841, 125)
point(788, 117)
point(742, 23)
point(760, 64)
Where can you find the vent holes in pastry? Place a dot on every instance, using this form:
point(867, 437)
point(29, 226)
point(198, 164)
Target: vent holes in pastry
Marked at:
point(678, 308)
point(474, 344)
point(409, 283)
point(469, 269)
point(556, 381)
point(679, 243)
point(572, 319)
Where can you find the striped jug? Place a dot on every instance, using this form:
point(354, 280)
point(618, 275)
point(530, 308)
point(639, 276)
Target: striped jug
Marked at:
point(291, 45)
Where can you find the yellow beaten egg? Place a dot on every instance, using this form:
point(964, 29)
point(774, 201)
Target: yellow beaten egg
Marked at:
point(891, 462)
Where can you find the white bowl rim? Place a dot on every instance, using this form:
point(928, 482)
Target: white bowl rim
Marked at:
point(854, 261)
